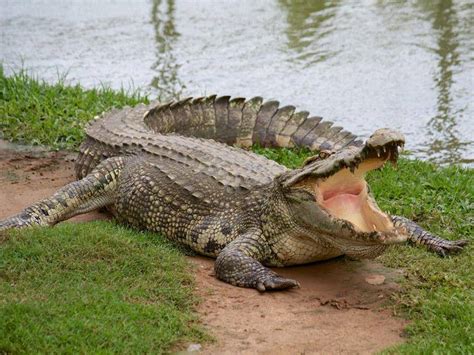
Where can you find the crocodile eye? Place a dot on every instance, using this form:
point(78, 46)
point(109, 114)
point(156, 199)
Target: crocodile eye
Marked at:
point(323, 154)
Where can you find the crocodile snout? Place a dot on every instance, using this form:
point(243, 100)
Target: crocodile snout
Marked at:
point(384, 136)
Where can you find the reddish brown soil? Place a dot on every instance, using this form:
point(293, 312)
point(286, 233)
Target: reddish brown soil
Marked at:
point(26, 177)
point(335, 311)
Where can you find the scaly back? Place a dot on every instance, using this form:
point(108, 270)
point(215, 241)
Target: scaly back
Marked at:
point(187, 130)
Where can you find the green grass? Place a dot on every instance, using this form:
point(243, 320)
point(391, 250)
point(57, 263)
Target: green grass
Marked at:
point(34, 112)
point(438, 292)
point(114, 298)
point(83, 288)
point(291, 158)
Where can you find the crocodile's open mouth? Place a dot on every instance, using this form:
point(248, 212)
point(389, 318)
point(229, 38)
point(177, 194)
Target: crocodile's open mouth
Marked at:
point(337, 181)
point(344, 195)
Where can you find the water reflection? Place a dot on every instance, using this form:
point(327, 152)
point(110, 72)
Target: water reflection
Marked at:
point(443, 127)
point(165, 81)
point(309, 23)
point(406, 65)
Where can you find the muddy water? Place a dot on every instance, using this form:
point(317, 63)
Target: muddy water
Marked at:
point(406, 66)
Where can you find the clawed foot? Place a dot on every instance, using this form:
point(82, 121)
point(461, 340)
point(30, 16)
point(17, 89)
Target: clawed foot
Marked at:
point(276, 282)
point(10, 223)
point(235, 267)
point(449, 247)
point(17, 222)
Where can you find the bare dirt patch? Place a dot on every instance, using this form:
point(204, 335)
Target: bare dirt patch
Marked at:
point(338, 309)
point(29, 176)
point(334, 311)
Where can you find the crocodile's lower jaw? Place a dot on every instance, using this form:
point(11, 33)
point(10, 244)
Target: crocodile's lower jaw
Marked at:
point(344, 196)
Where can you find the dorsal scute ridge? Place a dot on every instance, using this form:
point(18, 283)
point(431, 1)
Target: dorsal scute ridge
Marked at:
point(228, 120)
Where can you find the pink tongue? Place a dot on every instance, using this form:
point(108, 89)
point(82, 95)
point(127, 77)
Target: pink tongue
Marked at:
point(330, 194)
point(343, 202)
point(348, 207)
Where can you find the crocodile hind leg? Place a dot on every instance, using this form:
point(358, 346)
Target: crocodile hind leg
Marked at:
point(238, 265)
point(418, 235)
point(93, 191)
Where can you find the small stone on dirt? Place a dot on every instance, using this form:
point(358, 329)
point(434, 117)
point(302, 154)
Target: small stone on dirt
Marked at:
point(375, 279)
point(194, 348)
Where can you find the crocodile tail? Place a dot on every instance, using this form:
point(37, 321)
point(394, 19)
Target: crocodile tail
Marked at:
point(241, 122)
point(234, 121)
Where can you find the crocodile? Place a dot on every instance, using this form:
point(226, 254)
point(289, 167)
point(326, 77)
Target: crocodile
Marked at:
point(183, 169)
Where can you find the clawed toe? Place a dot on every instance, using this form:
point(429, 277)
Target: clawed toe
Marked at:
point(461, 242)
point(277, 283)
point(452, 247)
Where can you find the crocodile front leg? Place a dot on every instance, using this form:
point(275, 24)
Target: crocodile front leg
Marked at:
point(93, 191)
point(238, 265)
point(418, 235)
